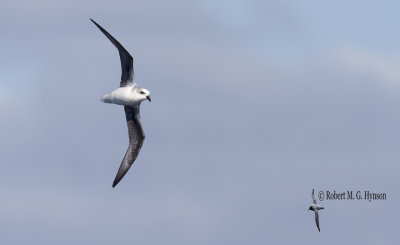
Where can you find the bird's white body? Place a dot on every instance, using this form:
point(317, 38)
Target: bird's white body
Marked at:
point(315, 207)
point(128, 95)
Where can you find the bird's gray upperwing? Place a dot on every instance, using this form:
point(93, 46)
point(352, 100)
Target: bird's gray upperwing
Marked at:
point(136, 139)
point(313, 197)
point(317, 219)
point(127, 77)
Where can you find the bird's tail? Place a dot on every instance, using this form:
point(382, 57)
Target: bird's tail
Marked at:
point(106, 98)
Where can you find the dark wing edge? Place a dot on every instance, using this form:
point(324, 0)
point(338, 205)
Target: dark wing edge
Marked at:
point(317, 220)
point(127, 77)
point(136, 139)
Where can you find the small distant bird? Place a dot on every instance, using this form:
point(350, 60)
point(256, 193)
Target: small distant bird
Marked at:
point(314, 207)
point(130, 96)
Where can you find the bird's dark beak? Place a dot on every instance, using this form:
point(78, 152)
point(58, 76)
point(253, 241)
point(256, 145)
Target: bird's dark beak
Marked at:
point(148, 97)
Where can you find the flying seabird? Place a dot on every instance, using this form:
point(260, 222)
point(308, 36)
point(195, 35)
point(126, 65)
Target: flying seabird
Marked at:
point(130, 96)
point(314, 207)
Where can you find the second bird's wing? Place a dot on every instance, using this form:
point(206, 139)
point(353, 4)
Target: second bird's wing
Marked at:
point(313, 197)
point(317, 219)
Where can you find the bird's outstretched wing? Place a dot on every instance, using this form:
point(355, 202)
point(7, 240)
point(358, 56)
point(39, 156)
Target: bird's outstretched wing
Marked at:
point(127, 77)
point(136, 139)
point(317, 219)
point(313, 197)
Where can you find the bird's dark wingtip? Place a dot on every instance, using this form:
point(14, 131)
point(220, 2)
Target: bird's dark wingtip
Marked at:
point(115, 183)
point(119, 177)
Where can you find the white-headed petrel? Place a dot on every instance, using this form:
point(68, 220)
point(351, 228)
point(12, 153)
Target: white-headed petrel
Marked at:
point(314, 207)
point(130, 96)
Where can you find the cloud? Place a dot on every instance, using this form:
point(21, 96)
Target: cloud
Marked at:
point(383, 68)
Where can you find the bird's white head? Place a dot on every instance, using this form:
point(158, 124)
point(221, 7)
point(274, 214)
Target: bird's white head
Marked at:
point(144, 94)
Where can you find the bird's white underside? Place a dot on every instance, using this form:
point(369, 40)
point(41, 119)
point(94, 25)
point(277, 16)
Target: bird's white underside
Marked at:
point(124, 96)
point(316, 207)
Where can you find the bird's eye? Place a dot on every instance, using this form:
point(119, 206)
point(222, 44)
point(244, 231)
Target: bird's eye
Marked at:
point(141, 92)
